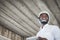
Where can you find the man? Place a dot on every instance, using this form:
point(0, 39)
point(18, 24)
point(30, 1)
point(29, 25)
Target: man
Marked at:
point(47, 32)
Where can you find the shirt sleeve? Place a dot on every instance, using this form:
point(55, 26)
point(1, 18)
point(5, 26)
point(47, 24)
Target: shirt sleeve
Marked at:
point(56, 33)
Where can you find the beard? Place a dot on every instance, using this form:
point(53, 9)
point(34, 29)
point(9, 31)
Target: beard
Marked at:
point(44, 21)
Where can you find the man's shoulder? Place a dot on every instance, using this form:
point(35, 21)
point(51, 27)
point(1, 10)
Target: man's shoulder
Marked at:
point(51, 26)
point(54, 26)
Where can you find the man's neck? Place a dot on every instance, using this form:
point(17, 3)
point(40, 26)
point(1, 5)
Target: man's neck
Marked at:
point(43, 25)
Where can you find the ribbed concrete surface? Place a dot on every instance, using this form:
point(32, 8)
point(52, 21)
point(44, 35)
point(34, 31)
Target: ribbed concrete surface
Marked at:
point(21, 16)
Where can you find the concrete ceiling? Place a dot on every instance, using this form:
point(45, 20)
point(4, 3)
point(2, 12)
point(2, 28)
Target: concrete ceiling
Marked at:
point(21, 16)
point(54, 6)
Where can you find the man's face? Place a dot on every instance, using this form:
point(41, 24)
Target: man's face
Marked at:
point(44, 17)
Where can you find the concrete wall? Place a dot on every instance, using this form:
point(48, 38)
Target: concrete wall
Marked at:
point(10, 34)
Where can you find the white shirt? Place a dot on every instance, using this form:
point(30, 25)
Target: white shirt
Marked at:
point(50, 32)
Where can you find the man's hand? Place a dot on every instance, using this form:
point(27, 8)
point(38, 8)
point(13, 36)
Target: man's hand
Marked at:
point(40, 38)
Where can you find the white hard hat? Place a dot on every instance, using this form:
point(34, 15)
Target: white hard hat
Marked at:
point(46, 13)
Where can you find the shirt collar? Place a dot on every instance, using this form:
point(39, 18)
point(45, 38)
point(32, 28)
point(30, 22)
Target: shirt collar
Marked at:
point(43, 26)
